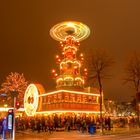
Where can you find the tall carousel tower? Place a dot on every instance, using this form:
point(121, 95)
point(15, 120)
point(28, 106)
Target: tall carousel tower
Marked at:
point(69, 34)
point(70, 96)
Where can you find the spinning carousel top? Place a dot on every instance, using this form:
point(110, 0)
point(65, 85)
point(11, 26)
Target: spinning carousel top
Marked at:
point(78, 30)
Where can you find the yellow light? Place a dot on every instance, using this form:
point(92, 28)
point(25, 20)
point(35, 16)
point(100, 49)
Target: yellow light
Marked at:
point(5, 105)
point(83, 81)
point(110, 101)
point(57, 56)
point(65, 111)
point(69, 91)
point(30, 108)
point(53, 71)
point(68, 78)
point(59, 79)
point(7, 108)
point(78, 63)
point(81, 55)
point(81, 31)
point(67, 47)
point(70, 61)
point(85, 69)
point(79, 78)
point(70, 24)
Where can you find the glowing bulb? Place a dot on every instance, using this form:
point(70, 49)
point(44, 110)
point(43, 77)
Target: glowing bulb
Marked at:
point(57, 56)
point(85, 69)
point(53, 71)
point(70, 24)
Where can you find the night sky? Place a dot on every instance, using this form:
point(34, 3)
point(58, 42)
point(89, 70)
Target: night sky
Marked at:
point(26, 46)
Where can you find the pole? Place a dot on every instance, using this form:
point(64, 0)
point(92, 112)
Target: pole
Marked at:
point(137, 110)
point(14, 112)
point(101, 102)
point(101, 115)
point(138, 115)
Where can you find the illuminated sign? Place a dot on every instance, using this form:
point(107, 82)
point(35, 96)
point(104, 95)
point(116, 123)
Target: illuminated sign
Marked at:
point(31, 100)
point(10, 122)
point(10, 119)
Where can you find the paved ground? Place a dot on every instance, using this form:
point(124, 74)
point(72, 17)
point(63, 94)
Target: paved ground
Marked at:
point(115, 134)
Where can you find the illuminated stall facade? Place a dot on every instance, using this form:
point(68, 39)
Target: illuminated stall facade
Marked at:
point(70, 95)
point(70, 101)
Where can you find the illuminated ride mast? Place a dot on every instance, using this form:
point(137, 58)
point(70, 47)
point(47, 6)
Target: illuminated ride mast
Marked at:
point(67, 97)
point(69, 34)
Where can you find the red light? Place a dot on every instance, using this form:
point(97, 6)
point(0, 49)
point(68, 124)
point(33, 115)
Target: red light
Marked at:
point(17, 105)
point(10, 111)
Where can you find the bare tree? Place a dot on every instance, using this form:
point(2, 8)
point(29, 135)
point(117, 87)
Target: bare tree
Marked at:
point(132, 76)
point(132, 71)
point(14, 82)
point(99, 62)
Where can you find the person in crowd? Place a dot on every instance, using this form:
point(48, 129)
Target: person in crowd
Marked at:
point(4, 125)
point(68, 123)
point(1, 128)
point(106, 123)
point(50, 125)
point(43, 126)
point(56, 120)
point(32, 122)
point(109, 123)
point(84, 125)
point(78, 124)
point(38, 125)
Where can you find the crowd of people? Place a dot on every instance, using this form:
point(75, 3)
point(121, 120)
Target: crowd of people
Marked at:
point(54, 123)
point(65, 123)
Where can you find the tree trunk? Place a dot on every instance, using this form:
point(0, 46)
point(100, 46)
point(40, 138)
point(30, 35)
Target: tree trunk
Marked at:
point(138, 109)
point(101, 98)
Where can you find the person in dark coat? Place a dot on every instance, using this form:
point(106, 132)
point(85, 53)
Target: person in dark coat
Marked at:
point(38, 125)
point(109, 123)
point(4, 125)
point(1, 128)
point(32, 124)
point(43, 125)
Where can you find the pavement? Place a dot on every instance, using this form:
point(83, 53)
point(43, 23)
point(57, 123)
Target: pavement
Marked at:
point(74, 135)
